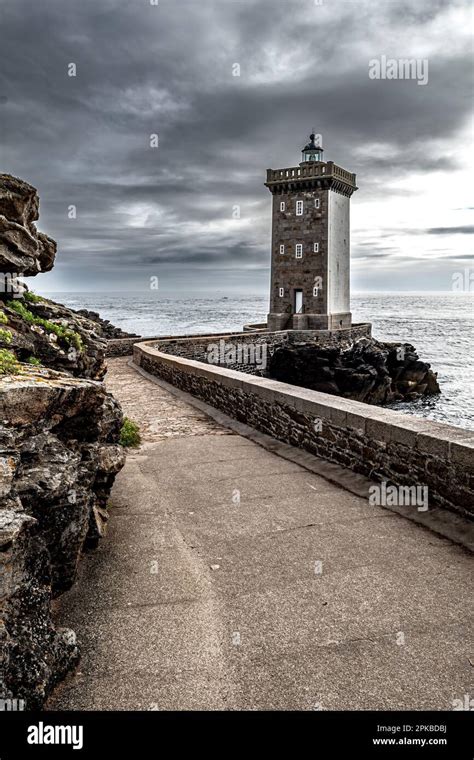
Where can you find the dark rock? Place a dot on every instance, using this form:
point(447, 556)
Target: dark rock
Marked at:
point(325, 387)
point(369, 371)
point(23, 250)
point(432, 386)
point(80, 349)
point(104, 327)
point(59, 456)
point(34, 655)
point(70, 341)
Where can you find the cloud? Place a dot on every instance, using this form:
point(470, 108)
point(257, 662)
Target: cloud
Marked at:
point(467, 229)
point(167, 70)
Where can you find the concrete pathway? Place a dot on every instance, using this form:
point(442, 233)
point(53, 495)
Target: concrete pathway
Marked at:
point(234, 579)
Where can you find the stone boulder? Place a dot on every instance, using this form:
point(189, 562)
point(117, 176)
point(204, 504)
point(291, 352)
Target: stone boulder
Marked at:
point(23, 250)
point(59, 455)
point(370, 371)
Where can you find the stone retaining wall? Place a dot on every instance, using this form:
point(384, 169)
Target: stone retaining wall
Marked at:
point(253, 349)
point(379, 443)
point(124, 346)
point(255, 326)
point(196, 346)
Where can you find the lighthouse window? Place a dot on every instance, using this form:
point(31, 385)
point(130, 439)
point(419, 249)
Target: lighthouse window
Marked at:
point(299, 251)
point(282, 249)
point(299, 208)
point(281, 292)
point(282, 205)
point(316, 203)
point(316, 248)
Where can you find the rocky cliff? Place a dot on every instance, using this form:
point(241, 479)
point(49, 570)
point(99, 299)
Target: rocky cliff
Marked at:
point(33, 328)
point(23, 250)
point(58, 460)
point(59, 454)
point(104, 326)
point(38, 330)
point(369, 371)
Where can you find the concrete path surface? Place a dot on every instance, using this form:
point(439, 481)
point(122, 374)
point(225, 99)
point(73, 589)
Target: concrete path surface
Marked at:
point(233, 579)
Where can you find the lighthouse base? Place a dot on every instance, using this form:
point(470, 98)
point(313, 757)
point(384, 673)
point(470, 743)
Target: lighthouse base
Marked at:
point(285, 321)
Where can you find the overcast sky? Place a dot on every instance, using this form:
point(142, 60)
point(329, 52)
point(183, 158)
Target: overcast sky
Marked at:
point(168, 69)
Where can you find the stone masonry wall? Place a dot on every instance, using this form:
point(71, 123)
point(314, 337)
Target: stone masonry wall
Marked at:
point(288, 230)
point(124, 346)
point(196, 346)
point(379, 443)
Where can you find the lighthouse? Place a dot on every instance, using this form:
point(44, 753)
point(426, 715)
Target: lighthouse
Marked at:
point(310, 260)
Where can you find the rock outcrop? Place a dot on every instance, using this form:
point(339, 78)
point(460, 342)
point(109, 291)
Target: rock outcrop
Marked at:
point(104, 327)
point(59, 454)
point(34, 655)
point(52, 334)
point(34, 328)
point(369, 371)
point(23, 250)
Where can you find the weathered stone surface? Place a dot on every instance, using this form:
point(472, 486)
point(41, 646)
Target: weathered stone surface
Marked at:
point(104, 327)
point(324, 190)
point(368, 371)
point(23, 250)
point(34, 327)
point(196, 346)
point(33, 654)
point(34, 322)
point(59, 452)
point(58, 459)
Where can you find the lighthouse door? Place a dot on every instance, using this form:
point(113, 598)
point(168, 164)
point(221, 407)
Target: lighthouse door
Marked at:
point(298, 301)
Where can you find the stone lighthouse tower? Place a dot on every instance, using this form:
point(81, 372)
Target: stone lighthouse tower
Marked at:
point(310, 244)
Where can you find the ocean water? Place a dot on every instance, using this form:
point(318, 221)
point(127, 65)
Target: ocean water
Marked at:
point(440, 326)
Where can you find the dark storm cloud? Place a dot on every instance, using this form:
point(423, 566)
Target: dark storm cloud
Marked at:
point(467, 229)
point(167, 69)
point(460, 257)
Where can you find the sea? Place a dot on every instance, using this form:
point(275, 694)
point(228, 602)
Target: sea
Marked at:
point(439, 325)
